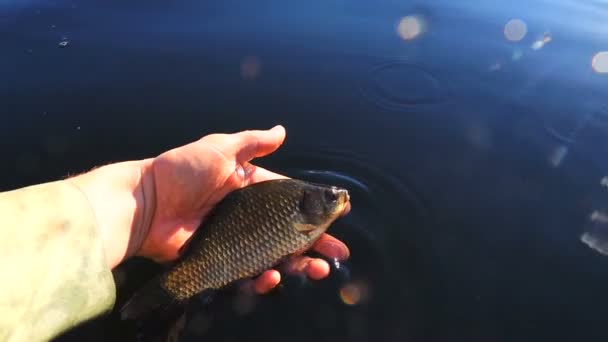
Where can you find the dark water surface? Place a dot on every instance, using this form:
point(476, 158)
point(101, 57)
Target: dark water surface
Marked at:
point(473, 136)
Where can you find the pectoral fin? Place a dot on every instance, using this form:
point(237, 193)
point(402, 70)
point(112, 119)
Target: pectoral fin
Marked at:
point(305, 228)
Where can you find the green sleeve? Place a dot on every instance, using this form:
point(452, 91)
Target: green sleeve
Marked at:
point(52, 262)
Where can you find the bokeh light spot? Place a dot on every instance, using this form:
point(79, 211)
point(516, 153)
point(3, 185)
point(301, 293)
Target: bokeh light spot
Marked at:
point(541, 42)
point(599, 63)
point(410, 27)
point(515, 30)
point(353, 293)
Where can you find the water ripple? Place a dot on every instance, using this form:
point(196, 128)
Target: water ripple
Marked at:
point(399, 85)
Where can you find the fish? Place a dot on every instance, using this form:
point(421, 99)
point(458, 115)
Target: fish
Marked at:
point(252, 229)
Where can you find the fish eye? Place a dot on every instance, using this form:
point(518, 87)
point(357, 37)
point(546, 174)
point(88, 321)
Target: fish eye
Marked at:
point(331, 196)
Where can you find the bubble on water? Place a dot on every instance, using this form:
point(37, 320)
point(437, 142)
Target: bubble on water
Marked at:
point(515, 30)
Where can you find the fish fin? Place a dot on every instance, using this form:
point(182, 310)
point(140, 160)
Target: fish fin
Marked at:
point(150, 300)
point(304, 228)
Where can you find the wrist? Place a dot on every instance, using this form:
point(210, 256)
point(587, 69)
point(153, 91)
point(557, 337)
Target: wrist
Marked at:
point(119, 195)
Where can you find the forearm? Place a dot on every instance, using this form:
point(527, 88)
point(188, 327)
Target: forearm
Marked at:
point(53, 261)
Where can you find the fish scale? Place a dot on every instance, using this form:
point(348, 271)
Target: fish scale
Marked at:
point(251, 230)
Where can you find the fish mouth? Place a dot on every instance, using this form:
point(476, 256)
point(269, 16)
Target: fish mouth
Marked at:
point(343, 207)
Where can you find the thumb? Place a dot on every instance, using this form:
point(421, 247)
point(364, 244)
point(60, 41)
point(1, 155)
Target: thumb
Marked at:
point(257, 143)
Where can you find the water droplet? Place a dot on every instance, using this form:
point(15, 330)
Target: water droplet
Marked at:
point(515, 30)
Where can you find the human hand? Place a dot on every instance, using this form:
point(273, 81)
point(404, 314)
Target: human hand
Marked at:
point(163, 200)
point(189, 181)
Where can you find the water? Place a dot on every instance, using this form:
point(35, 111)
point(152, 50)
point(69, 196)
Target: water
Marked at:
point(472, 136)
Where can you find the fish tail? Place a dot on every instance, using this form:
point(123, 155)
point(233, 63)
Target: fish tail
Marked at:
point(150, 300)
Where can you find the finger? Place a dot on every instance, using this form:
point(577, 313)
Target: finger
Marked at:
point(331, 247)
point(260, 174)
point(256, 143)
point(318, 269)
point(314, 268)
point(266, 281)
point(297, 264)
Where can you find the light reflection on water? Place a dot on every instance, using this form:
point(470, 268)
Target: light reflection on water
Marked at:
point(435, 68)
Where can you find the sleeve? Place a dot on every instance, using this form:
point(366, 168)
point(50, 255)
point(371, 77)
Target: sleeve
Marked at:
point(52, 264)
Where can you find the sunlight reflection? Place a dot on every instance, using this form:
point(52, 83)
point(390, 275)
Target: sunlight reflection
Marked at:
point(596, 236)
point(541, 42)
point(600, 62)
point(410, 27)
point(515, 30)
point(558, 155)
point(604, 181)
